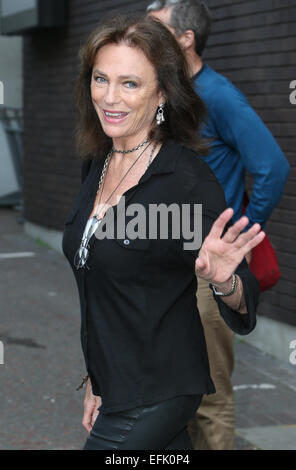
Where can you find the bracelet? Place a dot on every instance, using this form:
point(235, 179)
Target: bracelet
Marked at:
point(227, 294)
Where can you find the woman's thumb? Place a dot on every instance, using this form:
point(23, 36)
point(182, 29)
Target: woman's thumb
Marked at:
point(200, 264)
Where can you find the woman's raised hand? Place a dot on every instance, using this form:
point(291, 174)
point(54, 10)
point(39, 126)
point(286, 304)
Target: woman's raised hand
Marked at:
point(219, 256)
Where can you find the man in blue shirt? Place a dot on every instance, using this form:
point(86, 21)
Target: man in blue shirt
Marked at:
point(239, 141)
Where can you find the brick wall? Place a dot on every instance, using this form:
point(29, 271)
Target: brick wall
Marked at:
point(253, 44)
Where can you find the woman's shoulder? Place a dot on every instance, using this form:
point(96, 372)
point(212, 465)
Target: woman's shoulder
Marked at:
point(198, 181)
point(192, 165)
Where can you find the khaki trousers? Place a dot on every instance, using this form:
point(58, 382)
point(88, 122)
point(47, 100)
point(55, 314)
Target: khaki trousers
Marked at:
point(212, 428)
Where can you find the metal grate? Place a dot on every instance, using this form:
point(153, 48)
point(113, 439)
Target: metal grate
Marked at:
point(12, 122)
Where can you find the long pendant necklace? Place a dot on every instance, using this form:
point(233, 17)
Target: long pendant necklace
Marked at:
point(93, 223)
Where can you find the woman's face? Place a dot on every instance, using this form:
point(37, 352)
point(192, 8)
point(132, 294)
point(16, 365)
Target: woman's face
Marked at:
point(124, 91)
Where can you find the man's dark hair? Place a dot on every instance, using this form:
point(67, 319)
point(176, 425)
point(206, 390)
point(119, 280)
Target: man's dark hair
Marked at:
point(188, 14)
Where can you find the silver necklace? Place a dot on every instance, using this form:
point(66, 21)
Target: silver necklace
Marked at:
point(82, 254)
point(131, 150)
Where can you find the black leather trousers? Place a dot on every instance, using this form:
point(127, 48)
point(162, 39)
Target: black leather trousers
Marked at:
point(153, 427)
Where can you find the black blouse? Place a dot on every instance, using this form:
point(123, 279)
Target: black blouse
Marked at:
point(141, 333)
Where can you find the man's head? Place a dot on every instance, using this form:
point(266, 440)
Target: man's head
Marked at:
point(189, 20)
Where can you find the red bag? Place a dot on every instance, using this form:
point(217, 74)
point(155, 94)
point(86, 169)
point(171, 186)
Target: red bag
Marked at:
point(264, 264)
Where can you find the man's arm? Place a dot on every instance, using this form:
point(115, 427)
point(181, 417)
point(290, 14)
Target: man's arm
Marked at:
point(243, 130)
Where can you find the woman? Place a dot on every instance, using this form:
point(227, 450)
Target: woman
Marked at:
point(141, 334)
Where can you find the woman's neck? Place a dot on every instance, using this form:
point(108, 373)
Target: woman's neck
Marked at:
point(121, 162)
point(128, 143)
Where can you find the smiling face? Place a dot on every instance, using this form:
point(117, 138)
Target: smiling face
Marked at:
point(124, 92)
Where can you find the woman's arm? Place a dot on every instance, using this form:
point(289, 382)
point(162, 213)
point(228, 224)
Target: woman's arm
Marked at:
point(235, 301)
point(222, 255)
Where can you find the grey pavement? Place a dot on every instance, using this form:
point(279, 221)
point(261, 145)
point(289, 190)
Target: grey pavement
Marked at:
point(43, 364)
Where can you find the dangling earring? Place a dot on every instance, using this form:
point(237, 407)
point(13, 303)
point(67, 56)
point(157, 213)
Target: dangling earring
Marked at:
point(160, 114)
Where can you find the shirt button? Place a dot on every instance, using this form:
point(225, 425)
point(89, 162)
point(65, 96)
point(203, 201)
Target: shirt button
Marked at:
point(126, 242)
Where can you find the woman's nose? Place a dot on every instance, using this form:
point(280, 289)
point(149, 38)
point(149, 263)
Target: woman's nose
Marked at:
point(112, 95)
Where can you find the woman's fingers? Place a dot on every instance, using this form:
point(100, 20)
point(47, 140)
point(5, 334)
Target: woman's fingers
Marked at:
point(87, 416)
point(234, 231)
point(89, 410)
point(254, 242)
point(94, 417)
point(244, 238)
point(219, 224)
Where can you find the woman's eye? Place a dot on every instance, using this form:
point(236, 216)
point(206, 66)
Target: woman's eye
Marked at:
point(130, 84)
point(100, 80)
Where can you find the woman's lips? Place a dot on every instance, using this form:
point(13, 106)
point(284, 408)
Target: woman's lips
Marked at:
point(114, 117)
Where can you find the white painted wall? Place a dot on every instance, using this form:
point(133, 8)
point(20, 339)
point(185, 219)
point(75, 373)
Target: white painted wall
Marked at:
point(275, 338)
point(11, 89)
point(8, 178)
point(11, 74)
point(11, 7)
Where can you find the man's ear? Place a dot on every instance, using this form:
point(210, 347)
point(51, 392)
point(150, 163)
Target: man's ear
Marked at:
point(187, 39)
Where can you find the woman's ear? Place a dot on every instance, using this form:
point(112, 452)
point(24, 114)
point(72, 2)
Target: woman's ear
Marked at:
point(161, 98)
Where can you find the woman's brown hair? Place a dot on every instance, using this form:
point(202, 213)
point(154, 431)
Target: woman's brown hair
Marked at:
point(184, 110)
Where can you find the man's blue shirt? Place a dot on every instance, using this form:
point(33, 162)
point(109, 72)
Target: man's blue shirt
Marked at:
point(240, 141)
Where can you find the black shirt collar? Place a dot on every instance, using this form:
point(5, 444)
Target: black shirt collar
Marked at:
point(166, 159)
point(164, 163)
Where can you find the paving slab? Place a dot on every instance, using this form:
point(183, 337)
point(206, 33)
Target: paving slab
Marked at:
point(271, 437)
point(43, 363)
point(264, 400)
